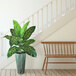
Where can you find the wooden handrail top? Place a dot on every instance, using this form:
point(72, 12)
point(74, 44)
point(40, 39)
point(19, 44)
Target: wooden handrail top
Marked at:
point(58, 42)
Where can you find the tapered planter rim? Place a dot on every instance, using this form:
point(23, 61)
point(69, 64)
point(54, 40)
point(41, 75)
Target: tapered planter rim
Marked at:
point(20, 53)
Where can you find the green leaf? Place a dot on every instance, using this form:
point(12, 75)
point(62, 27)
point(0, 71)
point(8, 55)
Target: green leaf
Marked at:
point(24, 28)
point(28, 42)
point(7, 37)
point(12, 50)
point(28, 32)
point(15, 40)
point(30, 50)
point(12, 32)
point(17, 28)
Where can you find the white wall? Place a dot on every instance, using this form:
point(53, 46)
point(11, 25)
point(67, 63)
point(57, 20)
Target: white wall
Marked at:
point(18, 10)
point(66, 33)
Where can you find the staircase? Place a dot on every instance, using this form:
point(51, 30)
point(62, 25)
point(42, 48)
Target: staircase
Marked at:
point(47, 20)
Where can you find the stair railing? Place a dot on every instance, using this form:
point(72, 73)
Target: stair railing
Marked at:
point(44, 17)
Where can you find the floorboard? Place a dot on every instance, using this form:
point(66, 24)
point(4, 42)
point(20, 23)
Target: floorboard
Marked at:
point(50, 72)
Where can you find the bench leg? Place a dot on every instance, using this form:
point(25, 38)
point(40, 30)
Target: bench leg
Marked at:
point(44, 64)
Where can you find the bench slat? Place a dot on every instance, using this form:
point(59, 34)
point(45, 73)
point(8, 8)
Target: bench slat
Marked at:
point(61, 56)
point(62, 62)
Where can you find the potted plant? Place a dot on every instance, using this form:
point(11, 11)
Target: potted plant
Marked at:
point(20, 44)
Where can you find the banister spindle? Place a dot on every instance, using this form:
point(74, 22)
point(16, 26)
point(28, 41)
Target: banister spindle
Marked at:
point(1, 47)
point(56, 9)
point(66, 5)
point(51, 12)
point(2, 52)
point(70, 4)
point(32, 19)
point(75, 4)
point(61, 8)
point(42, 21)
point(47, 15)
point(38, 21)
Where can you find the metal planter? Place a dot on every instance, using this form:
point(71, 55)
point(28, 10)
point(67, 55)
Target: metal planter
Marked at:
point(20, 62)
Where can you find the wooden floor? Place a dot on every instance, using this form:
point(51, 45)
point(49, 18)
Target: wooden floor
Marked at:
point(39, 73)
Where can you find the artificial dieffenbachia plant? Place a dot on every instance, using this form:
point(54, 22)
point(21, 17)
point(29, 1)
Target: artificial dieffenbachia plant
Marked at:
point(19, 40)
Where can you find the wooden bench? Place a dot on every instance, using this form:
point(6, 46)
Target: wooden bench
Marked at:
point(58, 49)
